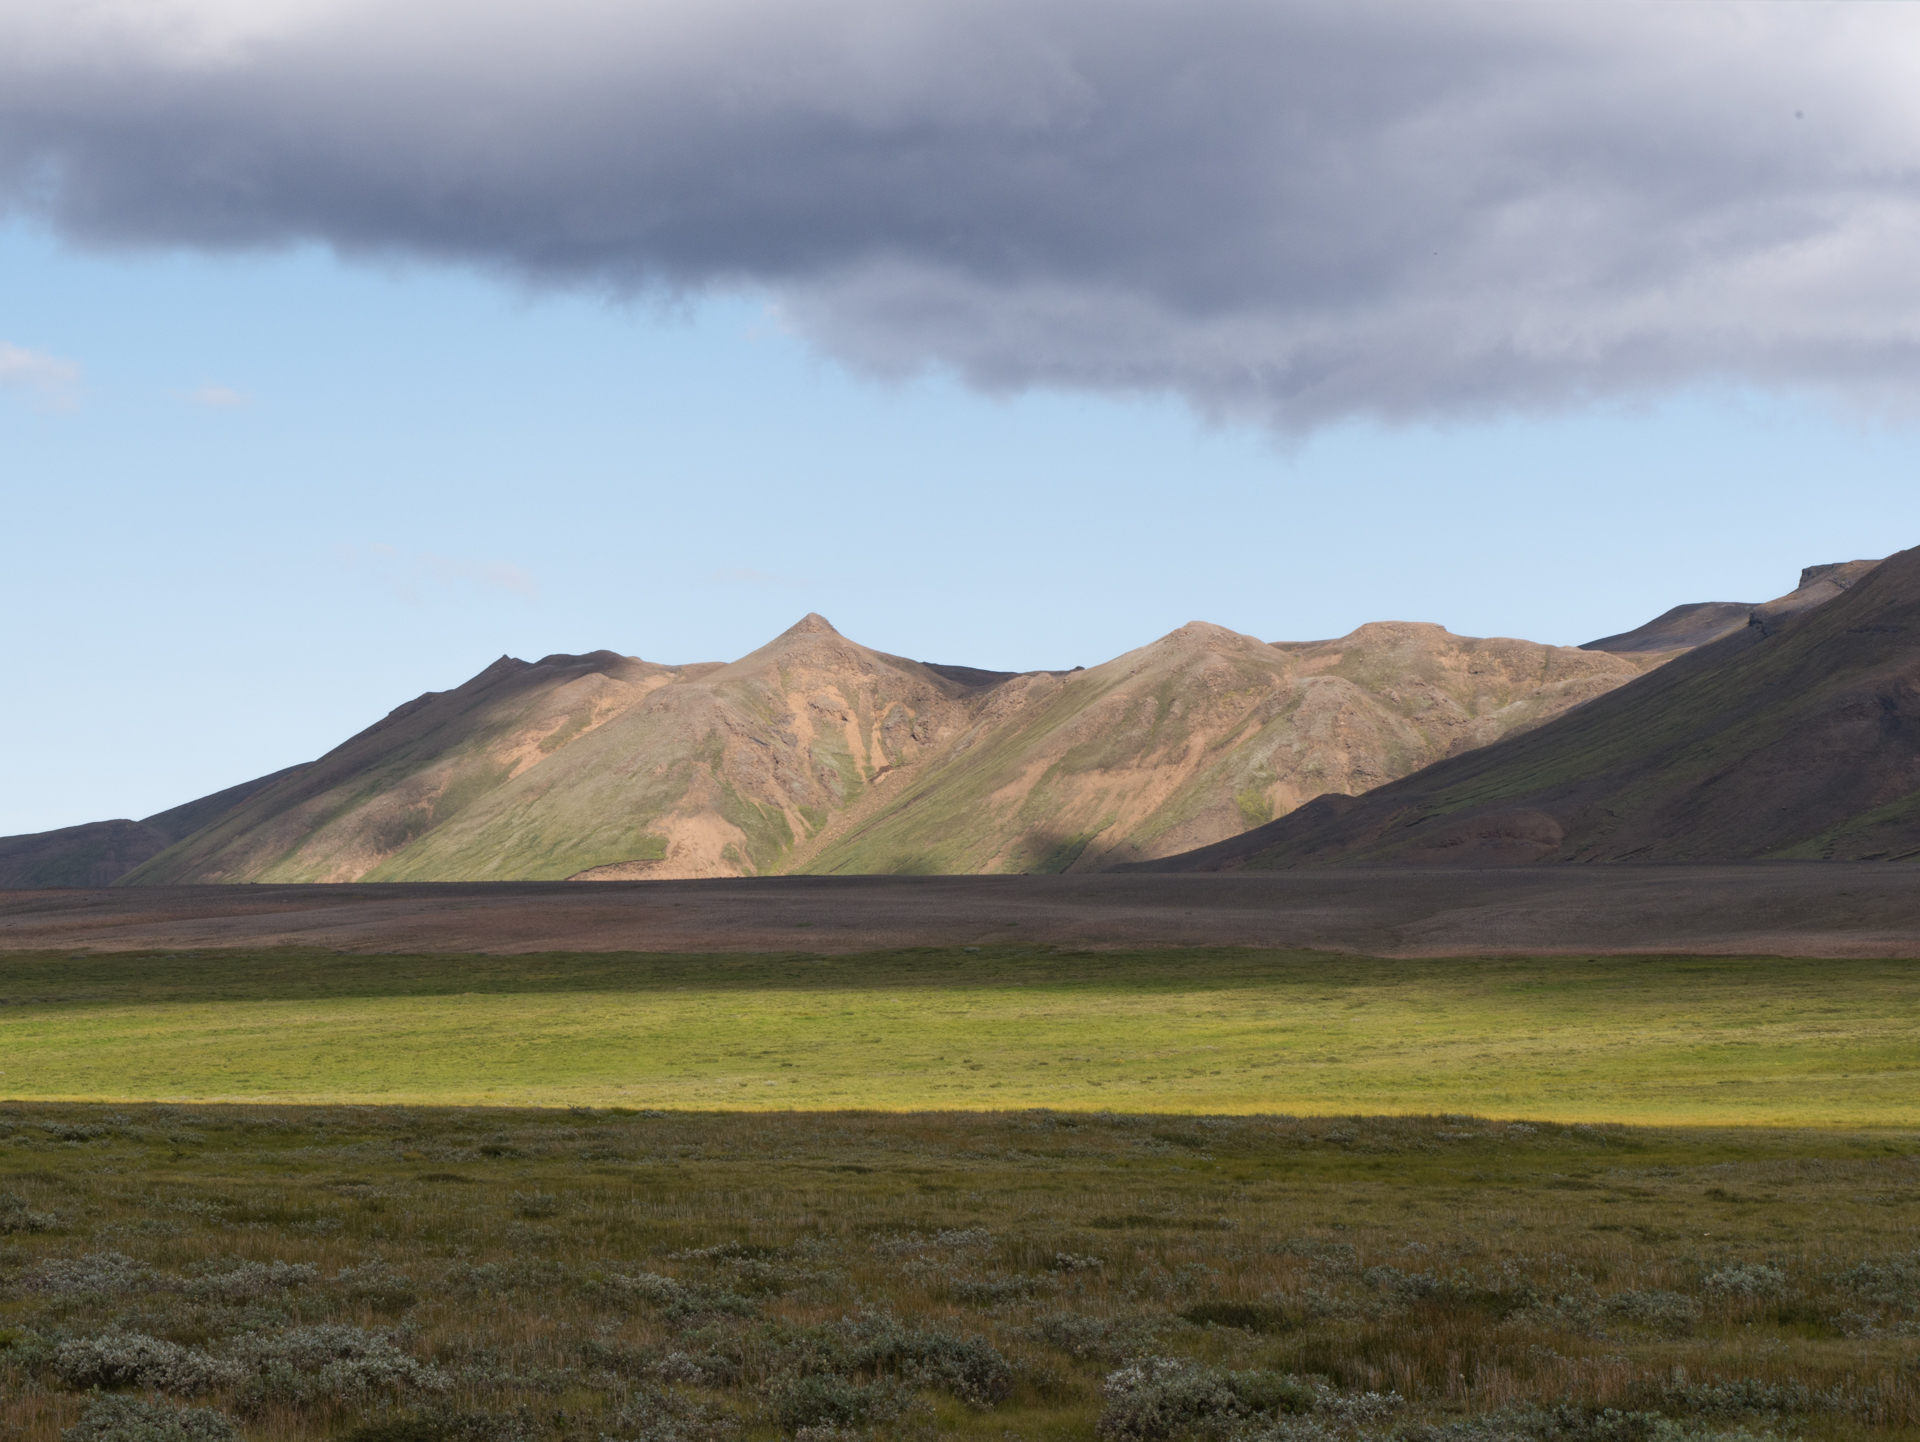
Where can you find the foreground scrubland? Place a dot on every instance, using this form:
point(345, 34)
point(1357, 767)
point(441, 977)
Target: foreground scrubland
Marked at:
point(196, 1274)
point(1660, 1039)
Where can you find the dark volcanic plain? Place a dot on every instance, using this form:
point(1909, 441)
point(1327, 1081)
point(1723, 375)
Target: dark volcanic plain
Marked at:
point(1770, 908)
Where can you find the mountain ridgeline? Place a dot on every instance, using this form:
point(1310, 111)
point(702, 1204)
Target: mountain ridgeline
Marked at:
point(1794, 737)
point(816, 754)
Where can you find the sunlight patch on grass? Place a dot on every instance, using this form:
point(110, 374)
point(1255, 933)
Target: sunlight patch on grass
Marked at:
point(1638, 1039)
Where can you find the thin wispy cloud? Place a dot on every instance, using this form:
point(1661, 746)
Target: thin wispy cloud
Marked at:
point(417, 577)
point(48, 381)
point(1299, 211)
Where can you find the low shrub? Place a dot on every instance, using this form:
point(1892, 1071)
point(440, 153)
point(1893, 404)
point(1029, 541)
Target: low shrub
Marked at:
point(653, 1414)
point(24, 1349)
point(1162, 1398)
point(377, 1285)
point(75, 1131)
point(1894, 1283)
point(17, 1216)
point(132, 1359)
point(950, 1241)
point(1744, 1396)
point(331, 1363)
point(970, 1368)
point(1498, 1299)
point(236, 1282)
point(99, 1274)
point(1323, 1256)
point(676, 1299)
point(1668, 1313)
point(1751, 1282)
point(128, 1419)
point(1357, 1409)
point(1402, 1286)
point(825, 1399)
point(1247, 1316)
point(1074, 1262)
point(675, 1364)
point(1089, 1338)
point(523, 1274)
point(997, 1290)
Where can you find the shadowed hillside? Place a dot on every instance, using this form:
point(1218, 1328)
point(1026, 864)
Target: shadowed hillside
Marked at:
point(94, 854)
point(100, 852)
point(1686, 627)
point(1796, 737)
point(341, 817)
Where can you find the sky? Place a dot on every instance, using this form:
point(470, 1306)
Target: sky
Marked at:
point(342, 351)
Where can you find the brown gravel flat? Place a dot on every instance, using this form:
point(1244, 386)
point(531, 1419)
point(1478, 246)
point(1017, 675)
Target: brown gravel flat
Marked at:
point(1783, 908)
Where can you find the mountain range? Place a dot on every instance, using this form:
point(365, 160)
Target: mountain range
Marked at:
point(817, 754)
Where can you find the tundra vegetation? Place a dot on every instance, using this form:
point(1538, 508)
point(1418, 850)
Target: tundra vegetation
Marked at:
point(1081, 1215)
point(207, 1273)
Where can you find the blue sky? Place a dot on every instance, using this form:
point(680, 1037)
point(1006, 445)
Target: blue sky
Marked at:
point(429, 468)
point(345, 347)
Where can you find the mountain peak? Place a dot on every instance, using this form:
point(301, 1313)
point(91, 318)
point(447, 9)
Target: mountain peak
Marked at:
point(811, 624)
point(1202, 633)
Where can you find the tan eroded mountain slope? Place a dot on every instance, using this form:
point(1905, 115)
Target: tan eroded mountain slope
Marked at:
point(728, 773)
point(817, 754)
point(1202, 734)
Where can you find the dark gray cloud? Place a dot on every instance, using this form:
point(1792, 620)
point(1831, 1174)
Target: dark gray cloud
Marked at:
point(1293, 211)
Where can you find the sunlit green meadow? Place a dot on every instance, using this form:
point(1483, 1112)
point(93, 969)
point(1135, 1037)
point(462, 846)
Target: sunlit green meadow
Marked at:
point(1673, 1040)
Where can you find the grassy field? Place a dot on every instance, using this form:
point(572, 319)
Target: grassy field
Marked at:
point(1643, 1040)
point(492, 1275)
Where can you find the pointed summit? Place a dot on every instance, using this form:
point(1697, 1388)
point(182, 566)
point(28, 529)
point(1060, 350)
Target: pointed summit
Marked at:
point(811, 624)
point(812, 637)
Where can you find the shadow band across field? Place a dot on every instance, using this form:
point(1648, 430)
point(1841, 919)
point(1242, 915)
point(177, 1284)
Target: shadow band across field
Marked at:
point(1769, 908)
point(1763, 1041)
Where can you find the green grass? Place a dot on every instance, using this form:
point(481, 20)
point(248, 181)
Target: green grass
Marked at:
point(1062, 1164)
point(673, 1277)
point(1655, 1039)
